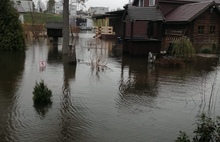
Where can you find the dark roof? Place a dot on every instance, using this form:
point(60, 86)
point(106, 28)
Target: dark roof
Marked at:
point(116, 12)
point(113, 14)
point(188, 12)
point(102, 16)
point(54, 25)
point(144, 14)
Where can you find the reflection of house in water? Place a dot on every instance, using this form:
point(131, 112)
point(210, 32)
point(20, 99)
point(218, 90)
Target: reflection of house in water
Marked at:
point(138, 85)
point(137, 79)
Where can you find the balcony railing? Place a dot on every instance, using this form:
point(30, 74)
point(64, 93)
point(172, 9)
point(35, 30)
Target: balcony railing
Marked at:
point(107, 30)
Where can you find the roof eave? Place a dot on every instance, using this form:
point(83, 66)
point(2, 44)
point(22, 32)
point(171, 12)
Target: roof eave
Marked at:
point(200, 12)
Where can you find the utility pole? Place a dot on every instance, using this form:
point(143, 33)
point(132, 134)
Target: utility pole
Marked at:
point(69, 52)
point(65, 48)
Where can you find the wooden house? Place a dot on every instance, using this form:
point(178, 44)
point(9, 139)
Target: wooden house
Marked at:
point(151, 25)
point(199, 21)
point(142, 28)
point(109, 25)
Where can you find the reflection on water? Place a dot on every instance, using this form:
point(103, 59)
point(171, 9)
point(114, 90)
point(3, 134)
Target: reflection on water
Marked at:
point(128, 100)
point(11, 69)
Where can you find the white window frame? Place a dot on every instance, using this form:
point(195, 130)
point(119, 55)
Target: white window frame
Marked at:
point(141, 3)
point(151, 2)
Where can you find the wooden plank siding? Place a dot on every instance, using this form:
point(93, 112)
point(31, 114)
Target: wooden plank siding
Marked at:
point(206, 19)
point(189, 18)
point(139, 29)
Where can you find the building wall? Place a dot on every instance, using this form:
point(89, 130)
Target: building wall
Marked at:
point(145, 3)
point(206, 19)
point(21, 17)
point(72, 9)
point(199, 41)
point(59, 9)
point(139, 29)
point(98, 10)
point(26, 4)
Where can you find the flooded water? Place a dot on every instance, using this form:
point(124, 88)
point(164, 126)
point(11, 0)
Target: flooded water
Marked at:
point(128, 100)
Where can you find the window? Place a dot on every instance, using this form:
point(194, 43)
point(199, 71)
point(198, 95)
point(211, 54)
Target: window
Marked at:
point(200, 29)
point(141, 3)
point(212, 30)
point(151, 2)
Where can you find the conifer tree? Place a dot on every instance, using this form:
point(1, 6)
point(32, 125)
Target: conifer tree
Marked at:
point(11, 32)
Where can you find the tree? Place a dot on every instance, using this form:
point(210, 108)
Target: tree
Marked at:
point(50, 6)
point(183, 48)
point(11, 32)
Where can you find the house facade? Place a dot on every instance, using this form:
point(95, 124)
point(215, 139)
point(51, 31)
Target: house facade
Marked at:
point(109, 25)
point(200, 22)
point(58, 8)
point(143, 28)
point(97, 10)
point(26, 4)
point(151, 25)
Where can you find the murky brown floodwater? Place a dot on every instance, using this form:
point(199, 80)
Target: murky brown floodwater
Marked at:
point(129, 101)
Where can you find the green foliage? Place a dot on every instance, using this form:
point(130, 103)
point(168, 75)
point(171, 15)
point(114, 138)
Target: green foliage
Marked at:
point(41, 18)
point(210, 48)
point(183, 48)
point(207, 130)
point(182, 137)
point(11, 32)
point(206, 50)
point(42, 95)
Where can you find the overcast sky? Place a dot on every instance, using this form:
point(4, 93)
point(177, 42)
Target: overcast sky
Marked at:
point(112, 4)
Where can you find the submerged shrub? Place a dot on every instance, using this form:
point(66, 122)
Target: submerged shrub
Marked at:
point(207, 130)
point(42, 95)
point(183, 48)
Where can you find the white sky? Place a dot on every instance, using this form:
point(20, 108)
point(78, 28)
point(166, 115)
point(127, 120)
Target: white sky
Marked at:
point(112, 4)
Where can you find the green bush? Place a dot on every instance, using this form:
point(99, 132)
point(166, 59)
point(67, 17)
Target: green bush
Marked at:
point(42, 95)
point(183, 48)
point(11, 32)
point(206, 50)
point(207, 130)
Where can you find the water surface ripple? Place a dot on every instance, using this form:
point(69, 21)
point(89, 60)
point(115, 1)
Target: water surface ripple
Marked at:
point(128, 100)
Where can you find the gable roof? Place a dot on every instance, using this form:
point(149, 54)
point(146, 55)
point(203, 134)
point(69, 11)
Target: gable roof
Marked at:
point(144, 14)
point(188, 12)
point(54, 25)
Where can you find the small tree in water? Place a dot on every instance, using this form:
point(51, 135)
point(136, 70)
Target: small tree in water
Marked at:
point(183, 48)
point(42, 95)
point(11, 32)
point(207, 130)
